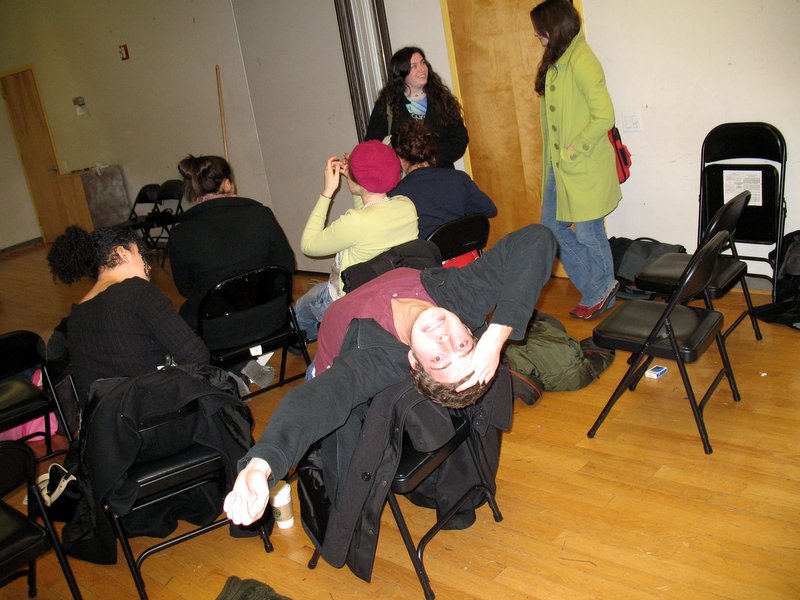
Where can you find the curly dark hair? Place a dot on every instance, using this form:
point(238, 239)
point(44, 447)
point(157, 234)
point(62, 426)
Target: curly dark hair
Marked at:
point(76, 252)
point(439, 95)
point(415, 142)
point(560, 22)
point(445, 394)
point(203, 175)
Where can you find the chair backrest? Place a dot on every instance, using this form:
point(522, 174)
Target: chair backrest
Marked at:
point(245, 308)
point(744, 140)
point(148, 194)
point(461, 236)
point(746, 156)
point(727, 217)
point(18, 466)
point(735, 155)
point(172, 189)
point(20, 350)
point(699, 270)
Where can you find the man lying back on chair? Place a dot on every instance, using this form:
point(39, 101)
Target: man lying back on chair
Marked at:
point(369, 338)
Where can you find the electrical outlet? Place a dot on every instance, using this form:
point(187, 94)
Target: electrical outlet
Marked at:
point(632, 122)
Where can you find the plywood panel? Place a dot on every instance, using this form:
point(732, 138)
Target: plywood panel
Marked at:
point(496, 57)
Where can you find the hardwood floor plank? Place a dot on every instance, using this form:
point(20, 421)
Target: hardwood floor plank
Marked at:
point(638, 512)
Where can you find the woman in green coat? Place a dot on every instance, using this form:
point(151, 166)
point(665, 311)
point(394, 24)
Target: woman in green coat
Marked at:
point(579, 184)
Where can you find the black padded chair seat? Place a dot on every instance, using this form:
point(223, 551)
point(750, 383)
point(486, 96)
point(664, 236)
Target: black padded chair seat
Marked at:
point(416, 465)
point(21, 542)
point(18, 399)
point(660, 275)
point(694, 329)
point(673, 330)
point(163, 474)
point(729, 270)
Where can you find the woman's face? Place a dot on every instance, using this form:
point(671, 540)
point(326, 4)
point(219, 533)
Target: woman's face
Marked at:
point(418, 72)
point(543, 39)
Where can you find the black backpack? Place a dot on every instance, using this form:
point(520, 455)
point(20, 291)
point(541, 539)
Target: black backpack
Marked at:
point(786, 308)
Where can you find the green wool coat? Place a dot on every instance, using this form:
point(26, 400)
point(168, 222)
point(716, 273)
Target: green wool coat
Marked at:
point(576, 112)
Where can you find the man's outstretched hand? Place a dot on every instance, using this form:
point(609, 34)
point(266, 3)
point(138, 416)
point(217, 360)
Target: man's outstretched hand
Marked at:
point(486, 357)
point(247, 501)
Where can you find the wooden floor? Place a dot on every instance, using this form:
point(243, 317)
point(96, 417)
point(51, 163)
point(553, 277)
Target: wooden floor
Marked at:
point(638, 512)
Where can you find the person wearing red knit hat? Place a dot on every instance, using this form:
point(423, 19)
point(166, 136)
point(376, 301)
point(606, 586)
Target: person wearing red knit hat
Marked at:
point(376, 223)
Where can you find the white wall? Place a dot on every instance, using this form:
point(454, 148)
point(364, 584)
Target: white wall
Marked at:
point(298, 85)
point(145, 113)
point(687, 66)
point(684, 66)
point(19, 223)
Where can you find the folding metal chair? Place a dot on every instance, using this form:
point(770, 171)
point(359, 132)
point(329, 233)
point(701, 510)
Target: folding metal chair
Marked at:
point(20, 400)
point(466, 236)
point(23, 538)
point(649, 329)
point(248, 315)
point(739, 157)
point(663, 274)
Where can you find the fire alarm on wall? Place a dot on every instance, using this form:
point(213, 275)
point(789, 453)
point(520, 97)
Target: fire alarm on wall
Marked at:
point(123, 52)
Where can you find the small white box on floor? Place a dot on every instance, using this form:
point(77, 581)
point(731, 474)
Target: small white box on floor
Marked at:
point(655, 372)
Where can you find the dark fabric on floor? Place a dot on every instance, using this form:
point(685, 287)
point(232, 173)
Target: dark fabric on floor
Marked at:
point(248, 589)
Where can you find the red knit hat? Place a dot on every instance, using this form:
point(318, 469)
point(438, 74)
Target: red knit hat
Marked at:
point(375, 166)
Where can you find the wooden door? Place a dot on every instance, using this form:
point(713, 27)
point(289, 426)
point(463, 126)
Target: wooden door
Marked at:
point(496, 57)
point(58, 200)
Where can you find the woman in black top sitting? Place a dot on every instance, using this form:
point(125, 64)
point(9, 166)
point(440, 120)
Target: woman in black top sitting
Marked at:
point(415, 92)
point(221, 235)
point(124, 326)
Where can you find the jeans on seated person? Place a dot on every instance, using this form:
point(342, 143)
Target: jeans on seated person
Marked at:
point(311, 307)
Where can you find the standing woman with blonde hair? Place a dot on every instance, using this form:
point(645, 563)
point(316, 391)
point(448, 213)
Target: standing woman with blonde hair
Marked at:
point(579, 178)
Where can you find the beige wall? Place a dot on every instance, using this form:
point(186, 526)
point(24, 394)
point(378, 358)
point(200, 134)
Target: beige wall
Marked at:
point(298, 86)
point(19, 222)
point(145, 113)
point(685, 66)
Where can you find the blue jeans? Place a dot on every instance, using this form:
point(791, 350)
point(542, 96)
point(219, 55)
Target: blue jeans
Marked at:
point(583, 249)
point(311, 307)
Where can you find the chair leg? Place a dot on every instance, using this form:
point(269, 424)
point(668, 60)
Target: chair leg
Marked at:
point(751, 312)
point(726, 363)
point(58, 549)
point(262, 529)
point(696, 409)
point(312, 564)
point(282, 378)
point(59, 410)
point(416, 557)
point(628, 379)
point(31, 579)
point(637, 377)
point(129, 558)
point(475, 451)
